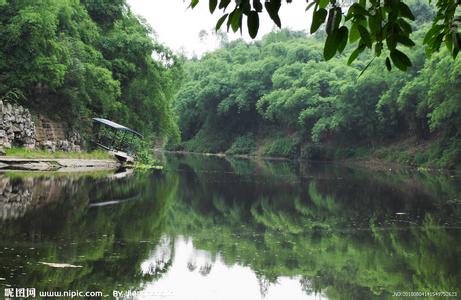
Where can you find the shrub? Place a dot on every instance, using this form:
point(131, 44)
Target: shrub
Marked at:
point(206, 141)
point(284, 147)
point(444, 153)
point(242, 145)
point(144, 152)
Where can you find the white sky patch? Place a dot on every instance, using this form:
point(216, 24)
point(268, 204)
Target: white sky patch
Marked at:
point(178, 26)
point(185, 277)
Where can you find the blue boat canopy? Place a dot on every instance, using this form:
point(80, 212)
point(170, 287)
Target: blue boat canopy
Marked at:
point(117, 126)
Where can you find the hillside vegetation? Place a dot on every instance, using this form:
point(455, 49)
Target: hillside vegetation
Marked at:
point(278, 97)
point(74, 59)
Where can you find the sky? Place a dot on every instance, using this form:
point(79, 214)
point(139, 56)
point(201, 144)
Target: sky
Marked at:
point(178, 26)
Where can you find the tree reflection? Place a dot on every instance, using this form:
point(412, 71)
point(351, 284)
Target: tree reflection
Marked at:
point(337, 228)
point(334, 229)
point(110, 242)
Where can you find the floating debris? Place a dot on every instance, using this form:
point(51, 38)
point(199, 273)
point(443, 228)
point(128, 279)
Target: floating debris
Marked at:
point(400, 213)
point(57, 265)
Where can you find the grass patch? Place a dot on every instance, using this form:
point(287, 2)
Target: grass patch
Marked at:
point(35, 153)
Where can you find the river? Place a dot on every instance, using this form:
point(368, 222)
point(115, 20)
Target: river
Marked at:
point(220, 228)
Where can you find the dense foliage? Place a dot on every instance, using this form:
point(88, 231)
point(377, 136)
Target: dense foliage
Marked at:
point(374, 24)
point(77, 59)
point(278, 97)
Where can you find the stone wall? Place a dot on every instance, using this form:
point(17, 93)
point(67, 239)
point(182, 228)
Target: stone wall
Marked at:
point(17, 128)
point(52, 136)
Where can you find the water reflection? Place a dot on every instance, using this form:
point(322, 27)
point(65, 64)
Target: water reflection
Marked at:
point(212, 228)
point(195, 274)
point(108, 241)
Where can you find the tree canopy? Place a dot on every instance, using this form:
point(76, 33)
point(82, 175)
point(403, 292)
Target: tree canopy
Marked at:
point(278, 97)
point(76, 59)
point(381, 26)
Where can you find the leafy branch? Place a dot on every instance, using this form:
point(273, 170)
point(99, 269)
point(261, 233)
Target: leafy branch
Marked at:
point(374, 24)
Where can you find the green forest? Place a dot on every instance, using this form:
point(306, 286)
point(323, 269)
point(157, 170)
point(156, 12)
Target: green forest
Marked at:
point(275, 97)
point(279, 97)
point(76, 59)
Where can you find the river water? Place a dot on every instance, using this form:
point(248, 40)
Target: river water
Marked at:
point(212, 228)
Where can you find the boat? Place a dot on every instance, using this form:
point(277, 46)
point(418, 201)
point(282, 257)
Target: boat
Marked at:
point(117, 139)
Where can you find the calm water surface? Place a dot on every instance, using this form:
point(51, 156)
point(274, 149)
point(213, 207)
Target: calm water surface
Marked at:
point(213, 228)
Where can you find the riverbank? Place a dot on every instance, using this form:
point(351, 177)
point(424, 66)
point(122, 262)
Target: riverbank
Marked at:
point(63, 161)
point(435, 153)
point(57, 164)
point(369, 162)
